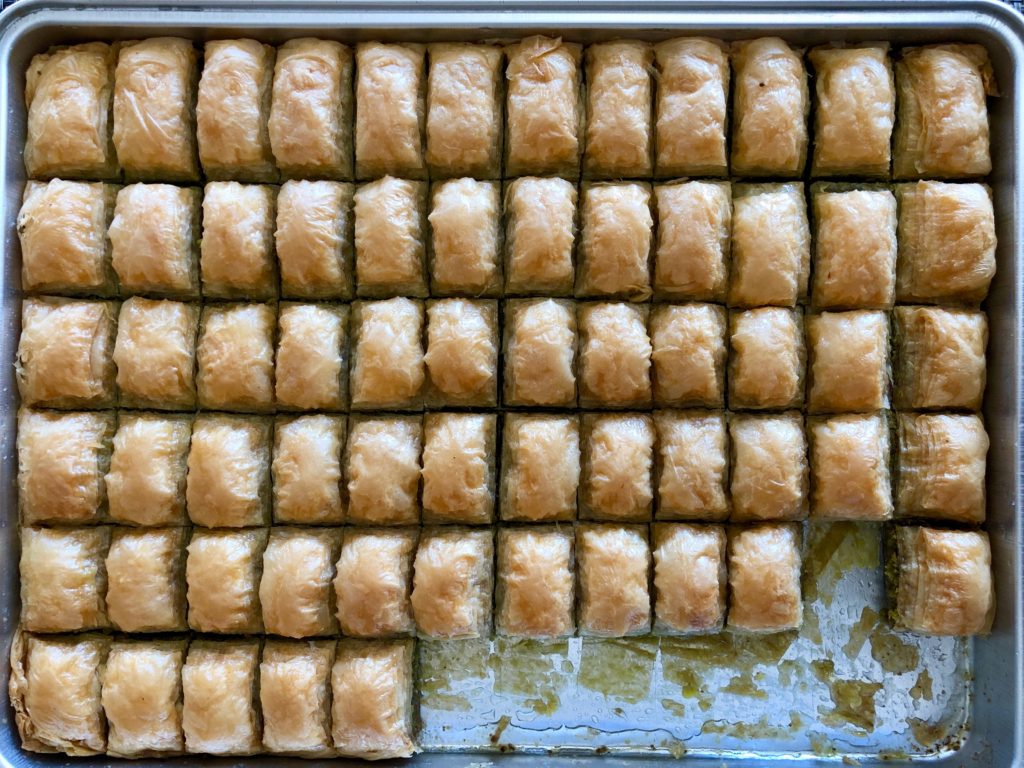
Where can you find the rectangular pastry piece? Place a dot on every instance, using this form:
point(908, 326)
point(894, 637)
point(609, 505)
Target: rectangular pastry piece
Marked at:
point(387, 363)
point(372, 712)
point(459, 460)
point(770, 106)
point(462, 352)
point(311, 370)
point(146, 580)
point(68, 93)
point(615, 355)
point(764, 578)
point(692, 465)
point(464, 110)
point(228, 483)
point(769, 467)
point(306, 469)
point(939, 358)
point(692, 102)
point(850, 477)
point(155, 354)
point(220, 708)
point(154, 102)
point(942, 130)
point(536, 589)
point(619, 99)
point(691, 255)
point(65, 353)
point(688, 354)
point(154, 240)
point(453, 583)
point(314, 239)
point(64, 579)
point(617, 240)
point(232, 111)
point(311, 109)
point(544, 109)
point(613, 564)
point(942, 458)
point(390, 107)
point(374, 581)
point(235, 357)
point(617, 467)
point(142, 698)
point(540, 230)
point(540, 467)
point(465, 238)
point(382, 467)
point(295, 697)
point(146, 478)
point(766, 358)
point(689, 578)
point(390, 232)
point(62, 460)
point(55, 693)
point(295, 586)
point(848, 369)
point(62, 228)
point(854, 247)
point(947, 243)
point(236, 255)
point(222, 571)
point(540, 352)
point(771, 245)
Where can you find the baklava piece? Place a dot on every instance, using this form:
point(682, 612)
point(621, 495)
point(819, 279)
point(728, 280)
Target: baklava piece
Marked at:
point(540, 468)
point(617, 241)
point(769, 467)
point(295, 696)
point(617, 467)
point(374, 581)
point(766, 360)
point(850, 477)
point(64, 579)
point(692, 465)
point(688, 354)
point(307, 470)
point(387, 365)
point(848, 369)
point(65, 353)
point(314, 239)
point(232, 111)
point(453, 583)
point(613, 568)
point(615, 356)
point(222, 571)
point(536, 589)
point(462, 352)
point(691, 257)
point(295, 587)
point(693, 95)
point(390, 230)
point(310, 124)
point(540, 231)
point(689, 578)
point(146, 580)
point(465, 237)
point(382, 465)
point(619, 95)
point(235, 357)
point(220, 708)
point(459, 467)
point(155, 354)
point(154, 98)
point(311, 371)
point(540, 352)
point(764, 578)
point(237, 250)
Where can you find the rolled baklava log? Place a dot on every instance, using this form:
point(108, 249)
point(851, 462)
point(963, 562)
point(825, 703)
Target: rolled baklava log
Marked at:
point(939, 358)
point(615, 356)
point(764, 578)
point(691, 258)
point(154, 98)
point(688, 354)
point(232, 111)
point(462, 352)
point(314, 239)
point(64, 579)
point(295, 696)
point(62, 458)
point(237, 250)
point(65, 353)
point(540, 467)
point(617, 241)
point(535, 591)
point(693, 96)
point(311, 109)
point(235, 357)
point(854, 110)
point(459, 460)
point(62, 228)
point(311, 371)
point(848, 368)
point(689, 578)
point(453, 583)
point(766, 360)
point(692, 465)
point(464, 110)
point(850, 476)
point(540, 352)
point(222, 571)
point(613, 564)
point(155, 354)
point(942, 131)
point(382, 465)
point(146, 580)
point(617, 467)
point(770, 106)
point(544, 111)
point(465, 238)
point(942, 458)
point(947, 241)
point(228, 484)
point(390, 96)
point(295, 585)
point(374, 581)
point(854, 247)
point(220, 706)
point(68, 92)
point(390, 225)
point(154, 240)
point(769, 467)
point(306, 470)
point(387, 364)
point(619, 135)
point(540, 216)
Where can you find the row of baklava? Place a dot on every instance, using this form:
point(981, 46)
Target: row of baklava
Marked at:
point(535, 106)
point(745, 244)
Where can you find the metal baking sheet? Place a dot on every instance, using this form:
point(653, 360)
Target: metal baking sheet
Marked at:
point(845, 689)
